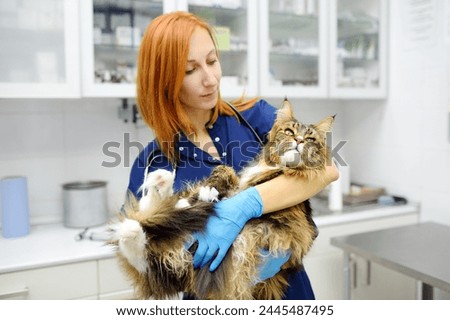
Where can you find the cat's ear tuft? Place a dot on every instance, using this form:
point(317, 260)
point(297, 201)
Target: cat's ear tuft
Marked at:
point(325, 124)
point(285, 112)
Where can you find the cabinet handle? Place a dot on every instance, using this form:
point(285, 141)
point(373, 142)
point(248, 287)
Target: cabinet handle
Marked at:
point(355, 274)
point(369, 270)
point(15, 293)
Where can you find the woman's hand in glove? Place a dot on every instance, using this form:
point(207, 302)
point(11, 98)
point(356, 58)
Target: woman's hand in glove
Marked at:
point(223, 228)
point(271, 264)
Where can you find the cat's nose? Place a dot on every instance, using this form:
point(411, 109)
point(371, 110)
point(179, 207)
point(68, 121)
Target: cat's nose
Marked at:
point(299, 140)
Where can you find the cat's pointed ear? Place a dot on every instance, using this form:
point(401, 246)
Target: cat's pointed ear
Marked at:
point(285, 112)
point(325, 124)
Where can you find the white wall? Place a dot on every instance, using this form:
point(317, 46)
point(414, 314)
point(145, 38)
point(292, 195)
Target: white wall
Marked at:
point(402, 143)
point(53, 142)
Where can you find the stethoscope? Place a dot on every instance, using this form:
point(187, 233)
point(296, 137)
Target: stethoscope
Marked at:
point(153, 155)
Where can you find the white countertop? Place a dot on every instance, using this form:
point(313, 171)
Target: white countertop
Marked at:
point(49, 245)
point(369, 213)
point(53, 244)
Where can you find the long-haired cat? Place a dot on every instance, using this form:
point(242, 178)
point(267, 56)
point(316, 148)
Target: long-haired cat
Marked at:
point(152, 238)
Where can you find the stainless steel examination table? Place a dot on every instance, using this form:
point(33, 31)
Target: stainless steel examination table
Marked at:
point(421, 251)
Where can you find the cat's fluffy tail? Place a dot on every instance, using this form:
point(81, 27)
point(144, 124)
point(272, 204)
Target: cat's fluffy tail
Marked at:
point(141, 233)
point(168, 222)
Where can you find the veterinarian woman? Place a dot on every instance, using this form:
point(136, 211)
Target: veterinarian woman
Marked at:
point(178, 95)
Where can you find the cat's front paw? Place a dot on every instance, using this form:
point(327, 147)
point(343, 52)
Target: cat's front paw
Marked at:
point(162, 180)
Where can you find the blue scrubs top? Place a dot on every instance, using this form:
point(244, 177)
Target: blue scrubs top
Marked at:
point(236, 145)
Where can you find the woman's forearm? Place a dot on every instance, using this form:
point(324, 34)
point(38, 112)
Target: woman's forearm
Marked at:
point(283, 191)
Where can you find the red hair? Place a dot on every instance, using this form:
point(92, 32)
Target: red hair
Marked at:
point(162, 63)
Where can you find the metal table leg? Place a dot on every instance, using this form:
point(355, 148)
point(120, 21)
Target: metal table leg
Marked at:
point(346, 277)
point(427, 291)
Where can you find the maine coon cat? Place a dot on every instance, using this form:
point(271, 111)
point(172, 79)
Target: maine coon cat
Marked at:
point(151, 239)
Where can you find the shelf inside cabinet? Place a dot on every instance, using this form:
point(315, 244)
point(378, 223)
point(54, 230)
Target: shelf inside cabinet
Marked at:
point(285, 25)
point(234, 22)
point(276, 56)
point(230, 53)
point(234, 63)
point(116, 52)
point(357, 26)
point(218, 16)
point(350, 61)
point(146, 8)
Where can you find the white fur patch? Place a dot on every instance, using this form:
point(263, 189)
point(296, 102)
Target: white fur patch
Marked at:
point(252, 171)
point(182, 203)
point(145, 203)
point(291, 158)
point(132, 242)
point(208, 194)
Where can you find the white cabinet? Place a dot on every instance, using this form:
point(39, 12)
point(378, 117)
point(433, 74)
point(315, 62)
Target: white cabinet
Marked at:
point(324, 264)
point(72, 281)
point(270, 48)
point(110, 38)
point(293, 48)
point(236, 26)
point(296, 48)
point(358, 48)
point(96, 279)
point(112, 282)
point(323, 49)
point(111, 33)
point(40, 49)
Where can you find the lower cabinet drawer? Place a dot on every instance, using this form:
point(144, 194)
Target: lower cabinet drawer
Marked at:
point(71, 281)
point(111, 279)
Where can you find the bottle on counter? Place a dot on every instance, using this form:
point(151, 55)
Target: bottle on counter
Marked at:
point(335, 197)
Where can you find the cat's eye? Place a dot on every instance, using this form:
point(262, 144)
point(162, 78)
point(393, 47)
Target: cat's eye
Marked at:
point(310, 139)
point(289, 132)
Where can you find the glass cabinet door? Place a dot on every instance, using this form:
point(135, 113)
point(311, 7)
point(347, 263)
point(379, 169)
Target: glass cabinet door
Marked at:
point(358, 51)
point(293, 48)
point(39, 49)
point(235, 23)
point(110, 44)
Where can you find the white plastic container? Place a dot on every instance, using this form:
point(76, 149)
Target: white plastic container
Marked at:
point(14, 208)
point(335, 197)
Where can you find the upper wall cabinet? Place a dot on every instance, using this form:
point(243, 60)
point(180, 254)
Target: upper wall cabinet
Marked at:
point(236, 27)
point(323, 48)
point(39, 49)
point(110, 38)
point(293, 48)
point(358, 53)
point(270, 48)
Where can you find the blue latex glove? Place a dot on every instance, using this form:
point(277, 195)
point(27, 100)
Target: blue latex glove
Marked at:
point(223, 228)
point(271, 264)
